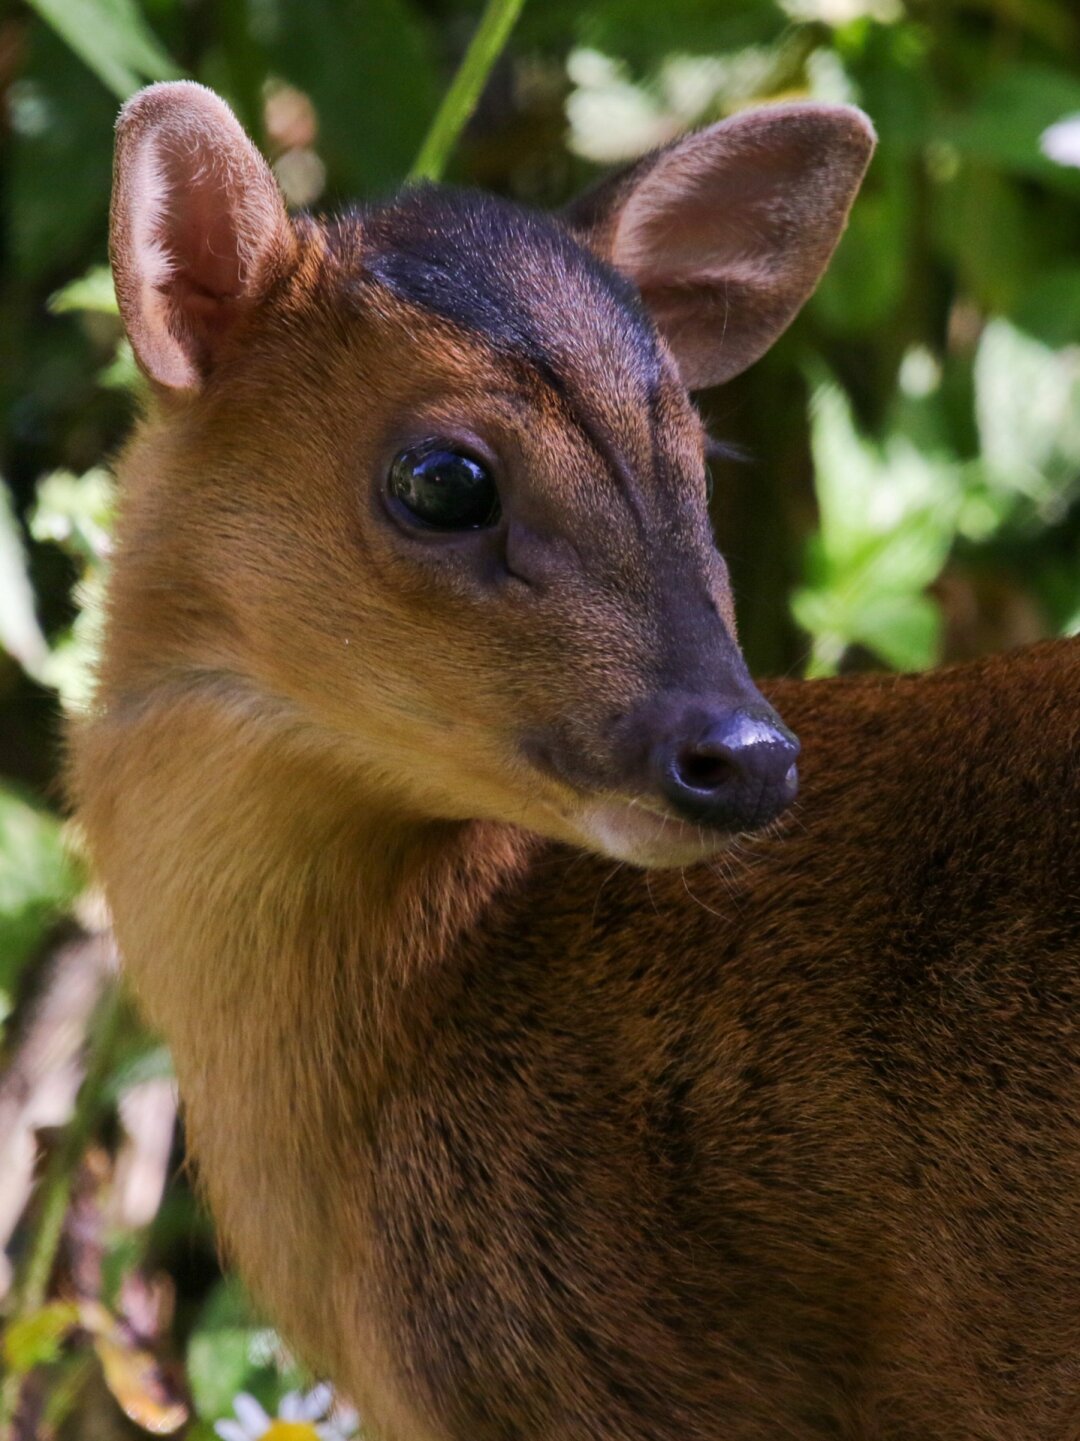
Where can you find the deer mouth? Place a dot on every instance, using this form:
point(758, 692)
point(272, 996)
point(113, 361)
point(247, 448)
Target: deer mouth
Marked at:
point(683, 778)
point(636, 831)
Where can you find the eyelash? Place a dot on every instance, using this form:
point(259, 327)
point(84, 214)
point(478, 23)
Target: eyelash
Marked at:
point(717, 451)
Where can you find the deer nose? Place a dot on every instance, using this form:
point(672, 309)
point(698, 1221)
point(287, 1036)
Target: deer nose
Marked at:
point(732, 769)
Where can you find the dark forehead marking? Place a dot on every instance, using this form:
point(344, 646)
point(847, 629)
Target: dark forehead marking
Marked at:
point(520, 281)
point(515, 276)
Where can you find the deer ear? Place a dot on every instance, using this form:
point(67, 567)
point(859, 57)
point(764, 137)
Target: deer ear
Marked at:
point(726, 232)
point(198, 230)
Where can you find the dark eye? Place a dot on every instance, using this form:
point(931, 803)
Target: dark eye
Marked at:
point(444, 489)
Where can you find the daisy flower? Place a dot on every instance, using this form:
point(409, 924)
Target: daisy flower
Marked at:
point(302, 1416)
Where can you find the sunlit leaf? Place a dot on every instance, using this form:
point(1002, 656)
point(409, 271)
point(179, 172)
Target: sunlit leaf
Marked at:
point(35, 1340)
point(904, 630)
point(93, 291)
point(612, 118)
point(843, 12)
point(1027, 398)
point(122, 373)
point(888, 519)
point(75, 512)
point(20, 634)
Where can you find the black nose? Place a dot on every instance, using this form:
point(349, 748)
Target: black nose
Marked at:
point(732, 768)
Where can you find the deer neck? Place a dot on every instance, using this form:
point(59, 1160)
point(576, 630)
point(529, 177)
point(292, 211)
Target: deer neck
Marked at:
point(281, 926)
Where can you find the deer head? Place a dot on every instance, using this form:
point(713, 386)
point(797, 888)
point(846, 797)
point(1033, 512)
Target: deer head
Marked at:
point(425, 482)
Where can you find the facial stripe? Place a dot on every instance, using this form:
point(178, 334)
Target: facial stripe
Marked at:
point(522, 284)
point(515, 276)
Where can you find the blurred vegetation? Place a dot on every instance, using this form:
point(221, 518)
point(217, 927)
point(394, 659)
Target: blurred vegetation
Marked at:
point(912, 494)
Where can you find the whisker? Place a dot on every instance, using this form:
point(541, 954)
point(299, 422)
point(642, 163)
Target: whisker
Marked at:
point(600, 890)
point(718, 452)
point(697, 899)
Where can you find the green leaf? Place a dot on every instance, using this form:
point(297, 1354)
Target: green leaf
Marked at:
point(112, 39)
point(200, 1431)
point(75, 512)
point(462, 95)
point(147, 1060)
point(122, 372)
point(35, 1340)
point(904, 630)
point(92, 292)
point(843, 472)
point(218, 1368)
point(230, 1351)
point(37, 880)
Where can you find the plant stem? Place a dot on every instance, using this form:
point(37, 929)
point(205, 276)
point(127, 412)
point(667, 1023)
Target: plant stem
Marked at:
point(31, 1286)
point(465, 90)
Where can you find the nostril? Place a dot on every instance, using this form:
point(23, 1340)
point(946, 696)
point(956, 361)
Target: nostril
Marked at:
point(730, 768)
point(704, 770)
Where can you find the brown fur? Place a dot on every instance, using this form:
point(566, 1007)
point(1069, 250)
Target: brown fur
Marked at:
point(512, 1141)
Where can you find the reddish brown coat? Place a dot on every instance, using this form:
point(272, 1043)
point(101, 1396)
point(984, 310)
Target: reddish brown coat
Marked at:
point(517, 1143)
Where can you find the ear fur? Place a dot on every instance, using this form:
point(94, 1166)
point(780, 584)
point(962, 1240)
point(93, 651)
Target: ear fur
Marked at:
point(198, 230)
point(727, 231)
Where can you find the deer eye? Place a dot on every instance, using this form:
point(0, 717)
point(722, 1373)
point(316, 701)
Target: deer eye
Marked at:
point(443, 488)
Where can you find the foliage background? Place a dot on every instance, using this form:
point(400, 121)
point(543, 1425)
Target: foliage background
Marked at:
point(911, 491)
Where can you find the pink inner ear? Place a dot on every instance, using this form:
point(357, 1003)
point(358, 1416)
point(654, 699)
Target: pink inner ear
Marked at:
point(199, 228)
point(729, 231)
point(188, 244)
point(710, 227)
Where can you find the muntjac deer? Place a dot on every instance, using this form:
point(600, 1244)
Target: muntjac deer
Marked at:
point(416, 631)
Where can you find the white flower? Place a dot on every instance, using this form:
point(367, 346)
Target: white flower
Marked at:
point(1061, 142)
point(311, 1416)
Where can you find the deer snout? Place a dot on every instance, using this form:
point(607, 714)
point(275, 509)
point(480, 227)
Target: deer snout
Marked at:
point(727, 768)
